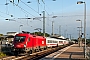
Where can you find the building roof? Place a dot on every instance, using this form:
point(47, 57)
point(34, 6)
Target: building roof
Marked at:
point(12, 33)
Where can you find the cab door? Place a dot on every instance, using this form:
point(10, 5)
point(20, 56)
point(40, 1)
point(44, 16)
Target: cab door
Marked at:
point(28, 42)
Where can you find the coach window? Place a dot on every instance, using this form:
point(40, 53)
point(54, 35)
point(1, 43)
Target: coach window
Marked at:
point(53, 41)
point(60, 41)
point(48, 41)
point(64, 41)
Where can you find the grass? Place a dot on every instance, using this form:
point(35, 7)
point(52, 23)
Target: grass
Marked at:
point(2, 54)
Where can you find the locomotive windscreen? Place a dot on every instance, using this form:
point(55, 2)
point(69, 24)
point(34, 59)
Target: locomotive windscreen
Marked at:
point(19, 39)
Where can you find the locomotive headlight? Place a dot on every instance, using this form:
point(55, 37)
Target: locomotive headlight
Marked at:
point(12, 45)
point(24, 45)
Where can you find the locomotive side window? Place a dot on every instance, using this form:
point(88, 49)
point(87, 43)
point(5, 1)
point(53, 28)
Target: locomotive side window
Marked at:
point(19, 39)
point(28, 39)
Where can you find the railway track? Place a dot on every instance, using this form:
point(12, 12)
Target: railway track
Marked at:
point(36, 55)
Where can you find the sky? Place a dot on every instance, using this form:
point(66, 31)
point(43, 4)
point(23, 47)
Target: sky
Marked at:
point(67, 12)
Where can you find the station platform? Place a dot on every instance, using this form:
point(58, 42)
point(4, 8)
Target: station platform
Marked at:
point(72, 52)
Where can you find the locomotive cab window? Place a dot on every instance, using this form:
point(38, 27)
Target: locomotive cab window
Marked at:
point(19, 38)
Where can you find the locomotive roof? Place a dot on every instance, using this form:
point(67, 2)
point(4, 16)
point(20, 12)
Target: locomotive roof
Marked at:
point(26, 34)
point(55, 38)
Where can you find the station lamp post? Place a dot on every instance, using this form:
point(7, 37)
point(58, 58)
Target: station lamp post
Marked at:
point(81, 25)
point(81, 2)
point(81, 32)
point(60, 30)
point(20, 28)
point(79, 38)
point(53, 25)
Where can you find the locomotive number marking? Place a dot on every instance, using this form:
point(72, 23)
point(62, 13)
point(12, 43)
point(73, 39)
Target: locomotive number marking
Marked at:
point(42, 42)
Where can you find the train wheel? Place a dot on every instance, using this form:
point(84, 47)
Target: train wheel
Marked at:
point(34, 50)
point(30, 51)
point(57, 45)
point(45, 48)
point(15, 53)
point(40, 49)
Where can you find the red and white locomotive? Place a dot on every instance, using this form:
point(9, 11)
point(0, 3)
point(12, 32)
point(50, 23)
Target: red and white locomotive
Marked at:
point(26, 42)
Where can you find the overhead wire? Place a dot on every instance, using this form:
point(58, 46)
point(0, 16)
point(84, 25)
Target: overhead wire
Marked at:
point(45, 10)
point(14, 20)
point(5, 13)
point(2, 16)
point(45, 6)
point(17, 21)
point(6, 7)
point(38, 5)
point(8, 14)
point(29, 7)
point(6, 10)
point(23, 9)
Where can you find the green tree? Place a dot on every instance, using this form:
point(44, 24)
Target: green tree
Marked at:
point(40, 34)
point(1, 34)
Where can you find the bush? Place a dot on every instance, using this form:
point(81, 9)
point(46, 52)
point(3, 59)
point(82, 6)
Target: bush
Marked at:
point(2, 54)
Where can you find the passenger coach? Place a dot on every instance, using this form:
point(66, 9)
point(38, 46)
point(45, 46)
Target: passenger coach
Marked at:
point(51, 42)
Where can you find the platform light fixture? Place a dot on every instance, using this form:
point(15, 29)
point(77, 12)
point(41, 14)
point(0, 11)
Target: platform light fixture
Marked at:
point(81, 2)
